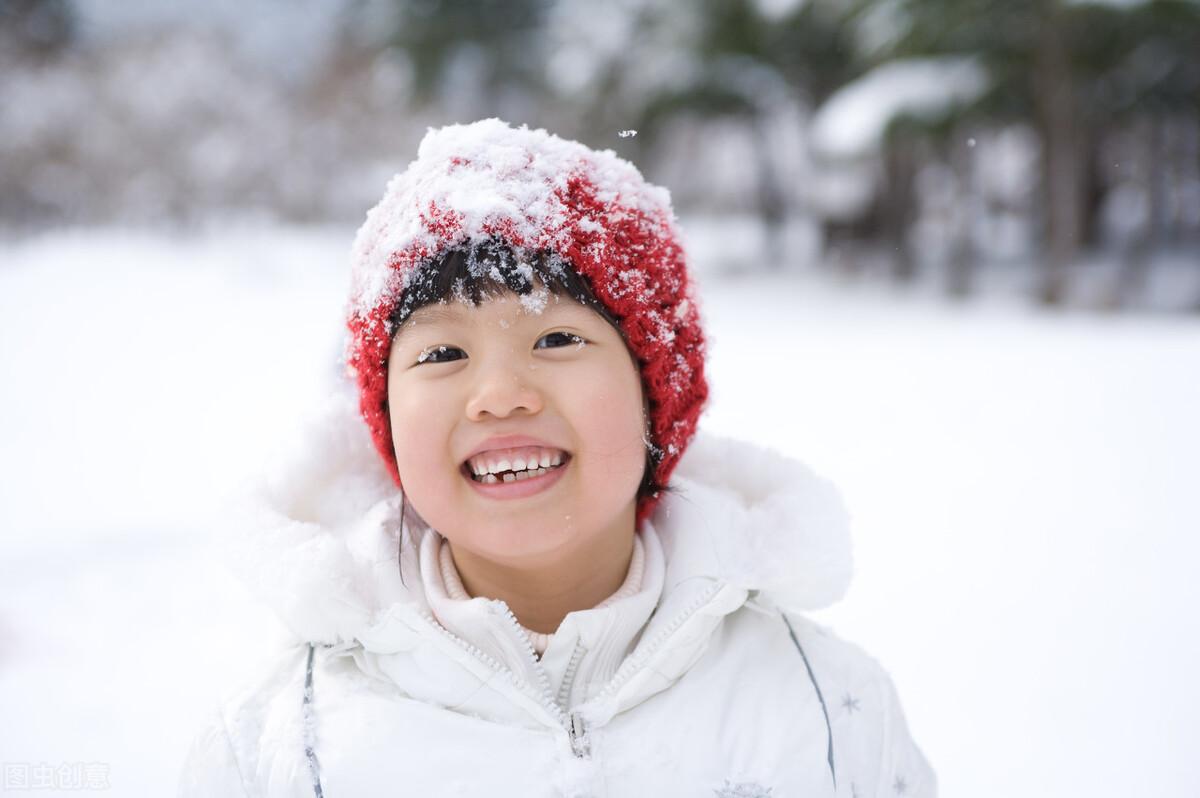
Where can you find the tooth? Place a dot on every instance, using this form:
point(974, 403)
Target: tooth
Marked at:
point(556, 459)
point(539, 472)
point(490, 479)
point(503, 465)
point(510, 477)
point(518, 464)
point(544, 460)
point(522, 476)
point(479, 468)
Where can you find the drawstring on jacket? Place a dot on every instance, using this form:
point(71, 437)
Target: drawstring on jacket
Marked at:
point(821, 698)
point(314, 768)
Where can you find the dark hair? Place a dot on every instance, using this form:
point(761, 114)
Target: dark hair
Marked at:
point(475, 271)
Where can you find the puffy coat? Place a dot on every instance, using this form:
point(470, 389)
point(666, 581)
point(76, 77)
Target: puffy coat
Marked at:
point(730, 690)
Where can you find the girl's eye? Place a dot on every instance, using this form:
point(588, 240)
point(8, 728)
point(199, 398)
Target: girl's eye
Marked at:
point(440, 354)
point(555, 340)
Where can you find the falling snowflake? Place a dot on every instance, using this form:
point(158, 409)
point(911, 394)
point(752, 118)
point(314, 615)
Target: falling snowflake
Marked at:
point(627, 133)
point(746, 789)
point(900, 785)
point(850, 704)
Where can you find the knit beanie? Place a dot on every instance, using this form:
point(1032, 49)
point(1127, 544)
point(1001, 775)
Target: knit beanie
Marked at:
point(535, 192)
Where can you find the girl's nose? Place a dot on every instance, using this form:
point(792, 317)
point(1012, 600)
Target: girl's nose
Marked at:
point(500, 392)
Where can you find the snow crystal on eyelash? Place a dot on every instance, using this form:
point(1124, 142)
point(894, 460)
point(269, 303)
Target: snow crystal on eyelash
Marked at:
point(475, 179)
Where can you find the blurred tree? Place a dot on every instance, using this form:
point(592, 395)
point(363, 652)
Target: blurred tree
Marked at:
point(1072, 68)
point(913, 142)
point(1142, 71)
point(751, 65)
point(35, 27)
point(811, 45)
point(484, 53)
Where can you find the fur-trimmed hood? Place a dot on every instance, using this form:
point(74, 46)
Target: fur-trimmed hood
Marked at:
point(318, 538)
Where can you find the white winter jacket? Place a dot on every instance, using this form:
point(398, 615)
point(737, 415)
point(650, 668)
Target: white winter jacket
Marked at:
point(729, 690)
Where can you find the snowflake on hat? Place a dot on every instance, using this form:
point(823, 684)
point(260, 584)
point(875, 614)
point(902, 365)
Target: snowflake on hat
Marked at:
point(536, 193)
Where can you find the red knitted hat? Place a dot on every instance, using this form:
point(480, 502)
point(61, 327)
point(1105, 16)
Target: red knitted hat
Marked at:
point(536, 193)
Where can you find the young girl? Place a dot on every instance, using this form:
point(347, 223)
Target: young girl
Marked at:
point(511, 565)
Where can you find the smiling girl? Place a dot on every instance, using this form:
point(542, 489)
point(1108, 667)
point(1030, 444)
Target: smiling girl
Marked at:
point(493, 401)
point(510, 563)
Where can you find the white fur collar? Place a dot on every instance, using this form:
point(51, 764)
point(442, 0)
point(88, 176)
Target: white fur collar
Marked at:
point(316, 539)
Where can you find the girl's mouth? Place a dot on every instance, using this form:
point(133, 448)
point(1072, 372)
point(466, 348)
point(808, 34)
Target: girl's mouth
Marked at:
point(517, 476)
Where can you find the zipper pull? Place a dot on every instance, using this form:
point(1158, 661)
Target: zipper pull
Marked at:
point(580, 745)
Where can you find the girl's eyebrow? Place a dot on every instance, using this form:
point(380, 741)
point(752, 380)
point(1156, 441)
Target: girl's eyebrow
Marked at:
point(447, 315)
point(455, 314)
point(439, 314)
point(433, 314)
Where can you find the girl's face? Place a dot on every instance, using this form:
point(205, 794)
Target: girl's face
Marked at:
point(494, 387)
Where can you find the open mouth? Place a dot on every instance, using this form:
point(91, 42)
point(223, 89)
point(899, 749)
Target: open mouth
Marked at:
point(514, 465)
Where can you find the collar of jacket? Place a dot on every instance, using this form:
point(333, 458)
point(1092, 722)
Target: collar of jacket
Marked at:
point(317, 537)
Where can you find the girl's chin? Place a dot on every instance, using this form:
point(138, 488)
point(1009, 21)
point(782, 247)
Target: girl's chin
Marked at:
point(512, 524)
point(527, 544)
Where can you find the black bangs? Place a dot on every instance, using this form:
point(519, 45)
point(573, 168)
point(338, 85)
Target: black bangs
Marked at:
point(477, 271)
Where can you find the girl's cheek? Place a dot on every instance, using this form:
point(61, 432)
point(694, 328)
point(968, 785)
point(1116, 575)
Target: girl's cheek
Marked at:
point(416, 423)
point(611, 409)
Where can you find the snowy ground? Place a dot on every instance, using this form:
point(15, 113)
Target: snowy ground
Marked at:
point(1023, 487)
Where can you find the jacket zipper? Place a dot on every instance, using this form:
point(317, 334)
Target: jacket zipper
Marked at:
point(572, 721)
point(563, 699)
point(632, 665)
point(581, 746)
point(573, 726)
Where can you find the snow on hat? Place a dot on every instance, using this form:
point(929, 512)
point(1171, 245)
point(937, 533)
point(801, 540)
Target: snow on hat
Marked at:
point(537, 193)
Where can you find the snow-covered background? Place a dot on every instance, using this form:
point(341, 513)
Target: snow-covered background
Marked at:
point(1022, 484)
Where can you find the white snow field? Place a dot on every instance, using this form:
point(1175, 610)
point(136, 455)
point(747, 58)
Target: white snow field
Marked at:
point(1023, 486)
